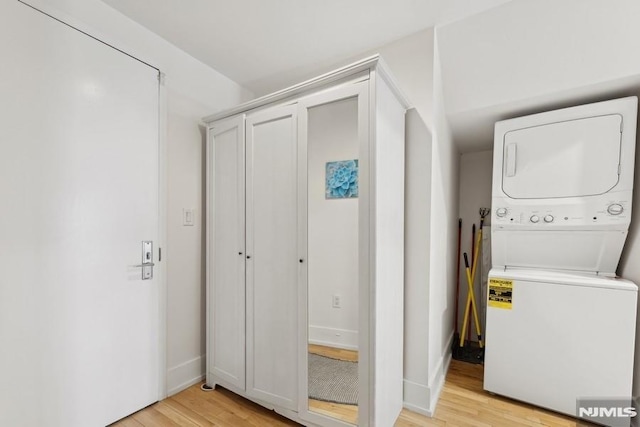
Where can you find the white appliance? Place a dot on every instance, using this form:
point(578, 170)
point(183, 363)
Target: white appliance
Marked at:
point(561, 337)
point(559, 325)
point(566, 177)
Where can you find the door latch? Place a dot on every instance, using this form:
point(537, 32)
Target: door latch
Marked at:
point(147, 260)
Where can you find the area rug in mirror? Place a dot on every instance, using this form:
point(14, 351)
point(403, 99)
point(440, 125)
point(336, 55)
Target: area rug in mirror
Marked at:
point(333, 380)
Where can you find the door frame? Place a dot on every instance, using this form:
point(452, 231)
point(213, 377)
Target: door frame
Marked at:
point(160, 269)
point(163, 342)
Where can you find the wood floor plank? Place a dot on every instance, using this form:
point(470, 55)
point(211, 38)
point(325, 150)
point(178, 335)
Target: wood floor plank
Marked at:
point(463, 403)
point(334, 353)
point(347, 413)
point(126, 422)
point(150, 417)
point(192, 416)
point(177, 416)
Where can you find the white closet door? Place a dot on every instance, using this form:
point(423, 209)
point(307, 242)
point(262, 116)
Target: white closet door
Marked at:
point(226, 344)
point(272, 264)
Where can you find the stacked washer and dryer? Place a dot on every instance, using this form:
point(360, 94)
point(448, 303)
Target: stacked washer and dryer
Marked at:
point(560, 324)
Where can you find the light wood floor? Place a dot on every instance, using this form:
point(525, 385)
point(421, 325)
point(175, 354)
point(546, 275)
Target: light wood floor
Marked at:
point(462, 403)
point(334, 353)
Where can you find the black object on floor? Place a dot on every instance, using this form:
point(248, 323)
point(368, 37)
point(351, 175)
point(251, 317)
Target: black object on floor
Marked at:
point(470, 353)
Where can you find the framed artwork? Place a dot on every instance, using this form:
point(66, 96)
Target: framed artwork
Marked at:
point(341, 179)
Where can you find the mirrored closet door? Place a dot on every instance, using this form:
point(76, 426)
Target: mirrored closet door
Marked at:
point(332, 171)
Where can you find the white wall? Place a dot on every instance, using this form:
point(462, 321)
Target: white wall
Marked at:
point(411, 62)
point(193, 90)
point(444, 233)
point(529, 56)
point(431, 180)
point(523, 49)
point(475, 192)
point(333, 228)
point(418, 159)
point(432, 174)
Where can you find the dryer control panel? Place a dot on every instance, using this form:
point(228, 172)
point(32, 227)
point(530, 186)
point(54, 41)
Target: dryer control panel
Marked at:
point(609, 212)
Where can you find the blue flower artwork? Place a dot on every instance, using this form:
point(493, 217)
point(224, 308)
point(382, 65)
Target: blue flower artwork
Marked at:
point(342, 179)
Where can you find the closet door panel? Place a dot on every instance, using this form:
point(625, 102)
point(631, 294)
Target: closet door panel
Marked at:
point(272, 264)
point(227, 267)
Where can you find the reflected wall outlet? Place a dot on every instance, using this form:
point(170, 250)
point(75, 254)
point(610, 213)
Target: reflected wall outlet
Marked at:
point(336, 301)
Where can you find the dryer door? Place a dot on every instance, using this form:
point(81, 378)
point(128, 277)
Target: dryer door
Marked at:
point(572, 158)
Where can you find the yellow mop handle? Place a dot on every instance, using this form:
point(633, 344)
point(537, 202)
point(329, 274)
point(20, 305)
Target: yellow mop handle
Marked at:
point(471, 295)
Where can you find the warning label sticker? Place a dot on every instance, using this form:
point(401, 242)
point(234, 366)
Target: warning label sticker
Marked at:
point(501, 293)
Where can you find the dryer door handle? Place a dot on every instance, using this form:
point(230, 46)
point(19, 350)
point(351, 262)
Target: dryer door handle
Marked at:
point(510, 161)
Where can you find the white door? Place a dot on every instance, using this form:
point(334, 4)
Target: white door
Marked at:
point(226, 325)
point(272, 264)
point(79, 328)
point(571, 158)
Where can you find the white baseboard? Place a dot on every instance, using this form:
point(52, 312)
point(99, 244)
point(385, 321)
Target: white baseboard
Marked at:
point(416, 397)
point(438, 382)
point(185, 375)
point(332, 337)
point(423, 398)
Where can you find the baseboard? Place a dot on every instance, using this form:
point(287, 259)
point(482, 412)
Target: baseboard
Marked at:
point(416, 397)
point(332, 337)
point(185, 375)
point(421, 398)
point(438, 381)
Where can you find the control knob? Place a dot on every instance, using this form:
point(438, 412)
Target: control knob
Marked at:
point(548, 218)
point(615, 209)
point(534, 218)
point(501, 212)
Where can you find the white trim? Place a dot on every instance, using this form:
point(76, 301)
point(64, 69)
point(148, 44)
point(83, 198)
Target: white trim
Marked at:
point(208, 252)
point(367, 259)
point(384, 72)
point(300, 88)
point(185, 375)
point(441, 372)
point(303, 271)
point(333, 337)
point(423, 399)
point(417, 398)
point(436, 382)
point(207, 249)
point(161, 272)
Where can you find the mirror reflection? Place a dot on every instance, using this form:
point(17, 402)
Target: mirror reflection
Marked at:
point(333, 259)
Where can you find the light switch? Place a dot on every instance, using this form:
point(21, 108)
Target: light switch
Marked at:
point(188, 217)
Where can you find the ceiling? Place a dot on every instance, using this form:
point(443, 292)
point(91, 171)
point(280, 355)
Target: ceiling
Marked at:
point(256, 42)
